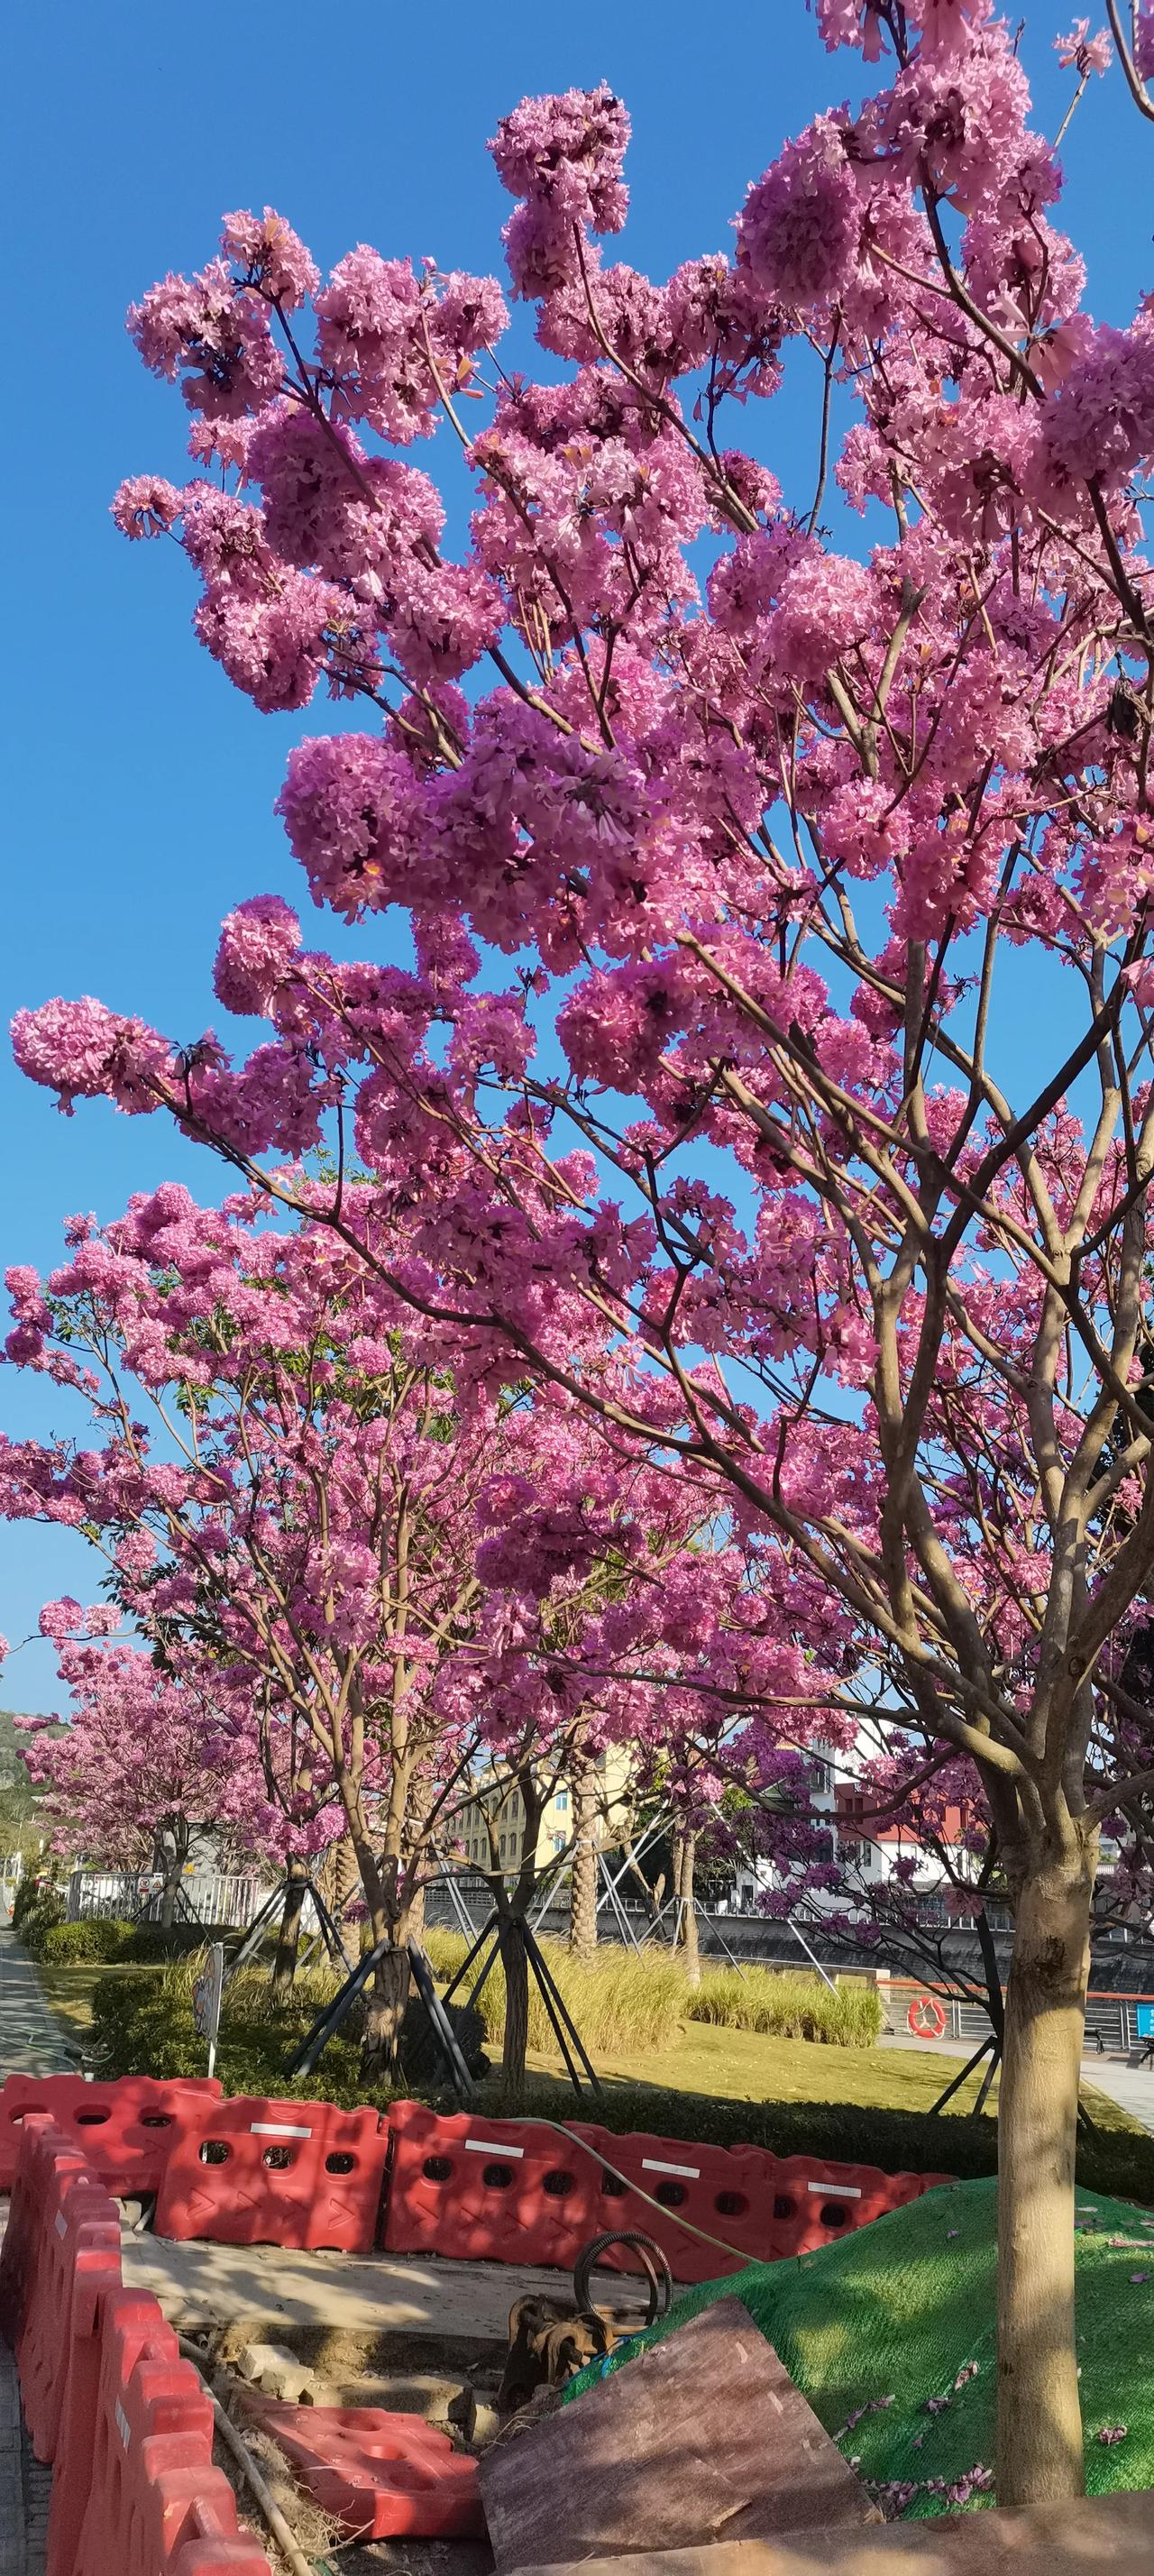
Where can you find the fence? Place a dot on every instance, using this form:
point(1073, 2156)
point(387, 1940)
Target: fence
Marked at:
point(206, 1896)
point(1111, 2020)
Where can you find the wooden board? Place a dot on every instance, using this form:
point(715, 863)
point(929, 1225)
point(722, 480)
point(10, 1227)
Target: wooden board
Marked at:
point(702, 2438)
point(1100, 2536)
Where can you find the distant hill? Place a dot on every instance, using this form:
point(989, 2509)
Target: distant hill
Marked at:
point(12, 1771)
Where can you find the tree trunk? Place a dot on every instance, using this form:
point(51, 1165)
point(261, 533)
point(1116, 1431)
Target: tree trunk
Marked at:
point(288, 1940)
point(516, 1966)
point(583, 1882)
point(172, 1873)
point(1039, 2435)
point(385, 2004)
point(687, 1854)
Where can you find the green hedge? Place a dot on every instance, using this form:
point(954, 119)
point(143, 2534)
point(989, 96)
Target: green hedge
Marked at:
point(63, 1944)
point(146, 2027)
point(115, 1944)
point(36, 1911)
point(1119, 2161)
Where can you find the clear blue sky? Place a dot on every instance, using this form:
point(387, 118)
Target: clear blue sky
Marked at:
point(138, 785)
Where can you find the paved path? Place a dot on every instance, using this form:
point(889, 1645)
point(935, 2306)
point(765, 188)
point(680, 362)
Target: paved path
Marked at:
point(24, 2485)
point(1131, 2087)
point(32, 2041)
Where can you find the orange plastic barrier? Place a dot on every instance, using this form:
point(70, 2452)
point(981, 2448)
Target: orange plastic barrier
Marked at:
point(502, 2191)
point(382, 2476)
point(250, 2172)
point(77, 2441)
point(814, 2202)
point(125, 2128)
point(514, 2191)
point(21, 2235)
point(728, 2192)
point(73, 2257)
point(156, 2506)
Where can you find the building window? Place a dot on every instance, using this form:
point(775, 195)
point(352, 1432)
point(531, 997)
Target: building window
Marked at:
point(561, 1801)
point(558, 1842)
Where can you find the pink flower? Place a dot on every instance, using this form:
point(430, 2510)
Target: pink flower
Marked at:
point(82, 1049)
point(59, 1619)
point(563, 156)
point(800, 226)
point(217, 335)
point(1082, 52)
point(259, 944)
point(146, 506)
point(272, 256)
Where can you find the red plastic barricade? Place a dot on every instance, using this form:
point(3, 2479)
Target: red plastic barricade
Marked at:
point(815, 2202)
point(74, 2250)
point(727, 2192)
point(502, 2191)
point(125, 2128)
point(78, 2440)
point(250, 2172)
point(22, 2233)
point(156, 2506)
point(383, 2476)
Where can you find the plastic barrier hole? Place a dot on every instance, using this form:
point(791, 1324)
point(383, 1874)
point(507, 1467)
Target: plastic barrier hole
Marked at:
point(671, 2194)
point(339, 2164)
point(833, 2213)
point(279, 2158)
point(784, 2207)
point(215, 2152)
point(437, 2168)
point(558, 2185)
point(156, 2119)
point(497, 2177)
point(91, 2119)
point(612, 2187)
point(731, 2204)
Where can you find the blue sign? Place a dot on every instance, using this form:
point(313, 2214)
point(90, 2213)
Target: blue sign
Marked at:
point(1144, 2016)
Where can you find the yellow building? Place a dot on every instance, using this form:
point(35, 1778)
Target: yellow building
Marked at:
point(498, 1808)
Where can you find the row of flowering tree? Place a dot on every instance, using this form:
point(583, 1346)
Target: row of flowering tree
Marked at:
point(740, 1161)
point(365, 1579)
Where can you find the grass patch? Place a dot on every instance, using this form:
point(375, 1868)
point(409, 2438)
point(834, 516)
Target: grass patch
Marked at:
point(69, 1992)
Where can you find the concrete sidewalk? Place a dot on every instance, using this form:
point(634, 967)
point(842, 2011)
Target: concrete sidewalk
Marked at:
point(32, 2041)
point(1131, 2087)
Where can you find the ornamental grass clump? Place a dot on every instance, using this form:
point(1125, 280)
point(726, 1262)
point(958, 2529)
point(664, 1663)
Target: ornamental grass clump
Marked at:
point(788, 2007)
point(622, 2001)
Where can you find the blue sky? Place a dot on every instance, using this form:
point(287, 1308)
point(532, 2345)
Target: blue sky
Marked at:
point(139, 785)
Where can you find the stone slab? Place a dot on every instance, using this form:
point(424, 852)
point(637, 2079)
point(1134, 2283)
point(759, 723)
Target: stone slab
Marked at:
point(200, 2286)
point(1102, 2536)
point(701, 2436)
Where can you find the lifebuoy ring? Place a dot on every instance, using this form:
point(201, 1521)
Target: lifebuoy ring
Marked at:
point(926, 2018)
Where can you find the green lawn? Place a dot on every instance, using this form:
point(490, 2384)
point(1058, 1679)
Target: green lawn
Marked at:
point(741, 2066)
point(69, 1991)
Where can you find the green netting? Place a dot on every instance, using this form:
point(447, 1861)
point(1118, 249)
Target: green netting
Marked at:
point(890, 2334)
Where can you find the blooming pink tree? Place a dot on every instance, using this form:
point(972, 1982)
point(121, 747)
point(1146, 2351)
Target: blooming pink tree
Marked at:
point(144, 1763)
point(379, 1573)
point(787, 840)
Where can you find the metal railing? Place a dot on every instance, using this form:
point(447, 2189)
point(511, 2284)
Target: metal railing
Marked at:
point(137, 1896)
point(1110, 2019)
